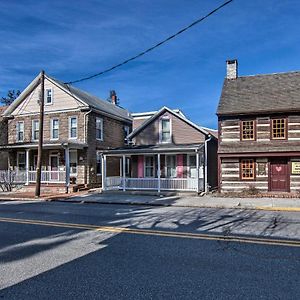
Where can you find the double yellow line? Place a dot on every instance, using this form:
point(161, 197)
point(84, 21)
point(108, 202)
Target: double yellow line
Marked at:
point(187, 235)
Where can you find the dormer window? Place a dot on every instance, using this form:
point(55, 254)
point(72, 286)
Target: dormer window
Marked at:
point(49, 96)
point(165, 130)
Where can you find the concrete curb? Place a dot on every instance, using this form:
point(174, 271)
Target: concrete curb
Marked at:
point(291, 209)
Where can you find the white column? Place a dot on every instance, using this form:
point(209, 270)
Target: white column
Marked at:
point(198, 170)
point(124, 172)
point(67, 165)
point(158, 172)
point(27, 166)
point(103, 171)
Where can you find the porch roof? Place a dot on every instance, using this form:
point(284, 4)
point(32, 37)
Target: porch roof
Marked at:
point(151, 149)
point(71, 145)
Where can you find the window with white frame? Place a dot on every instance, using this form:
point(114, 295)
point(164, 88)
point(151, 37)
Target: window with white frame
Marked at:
point(21, 161)
point(73, 162)
point(99, 129)
point(99, 163)
point(73, 127)
point(20, 131)
point(171, 166)
point(192, 168)
point(54, 129)
point(126, 130)
point(165, 130)
point(35, 130)
point(49, 96)
point(149, 166)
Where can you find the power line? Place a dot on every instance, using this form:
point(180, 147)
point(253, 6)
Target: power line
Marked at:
point(153, 47)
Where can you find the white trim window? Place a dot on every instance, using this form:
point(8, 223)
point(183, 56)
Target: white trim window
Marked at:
point(54, 129)
point(99, 129)
point(73, 127)
point(21, 161)
point(149, 166)
point(171, 166)
point(99, 163)
point(35, 130)
point(49, 96)
point(20, 131)
point(165, 130)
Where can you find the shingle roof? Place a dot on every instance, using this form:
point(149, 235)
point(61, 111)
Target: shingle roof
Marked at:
point(94, 101)
point(260, 94)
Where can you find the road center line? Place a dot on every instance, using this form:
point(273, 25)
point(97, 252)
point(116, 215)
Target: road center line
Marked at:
point(216, 237)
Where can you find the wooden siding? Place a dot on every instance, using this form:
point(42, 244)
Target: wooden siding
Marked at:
point(230, 141)
point(230, 177)
point(61, 101)
point(182, 133)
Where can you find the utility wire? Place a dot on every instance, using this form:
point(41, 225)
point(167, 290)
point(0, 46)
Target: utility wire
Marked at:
point(153, 47)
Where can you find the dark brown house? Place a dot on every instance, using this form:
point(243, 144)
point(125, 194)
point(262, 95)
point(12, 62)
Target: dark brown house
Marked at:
point(259, 132)
point(166, 151)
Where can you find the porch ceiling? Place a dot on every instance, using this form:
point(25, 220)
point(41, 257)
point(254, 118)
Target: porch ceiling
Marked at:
point(152, 149)
point(62, 145)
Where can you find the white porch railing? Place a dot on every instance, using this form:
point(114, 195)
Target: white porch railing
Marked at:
point(12, 176)
point(173, 184)
point(48, 176)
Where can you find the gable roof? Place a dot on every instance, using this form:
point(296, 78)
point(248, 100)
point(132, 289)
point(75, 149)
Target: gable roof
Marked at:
point(85, 98)
point(269, 93)
point(160, 112)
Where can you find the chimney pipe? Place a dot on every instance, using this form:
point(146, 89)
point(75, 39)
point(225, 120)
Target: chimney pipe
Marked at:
point(232, 69)
point(113, 97)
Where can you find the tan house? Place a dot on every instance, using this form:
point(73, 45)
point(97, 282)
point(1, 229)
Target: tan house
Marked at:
point(77, 126)
point(165, 151)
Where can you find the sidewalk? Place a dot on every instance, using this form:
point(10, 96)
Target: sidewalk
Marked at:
point(283, 204)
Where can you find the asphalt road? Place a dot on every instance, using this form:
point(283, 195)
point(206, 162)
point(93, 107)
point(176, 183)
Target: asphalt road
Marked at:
point(83, 251)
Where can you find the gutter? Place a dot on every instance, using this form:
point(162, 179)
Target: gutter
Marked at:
point(205, 165)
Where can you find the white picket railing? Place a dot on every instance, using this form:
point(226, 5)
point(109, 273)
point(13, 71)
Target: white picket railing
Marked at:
point(175, 184)
point(48, 176)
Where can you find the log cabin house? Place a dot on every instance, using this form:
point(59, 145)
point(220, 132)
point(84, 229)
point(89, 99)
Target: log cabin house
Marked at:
point(259, 132)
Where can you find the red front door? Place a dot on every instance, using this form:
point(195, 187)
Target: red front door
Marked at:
point(279, 176)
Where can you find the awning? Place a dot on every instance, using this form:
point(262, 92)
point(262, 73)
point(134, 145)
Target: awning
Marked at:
point(70, 145)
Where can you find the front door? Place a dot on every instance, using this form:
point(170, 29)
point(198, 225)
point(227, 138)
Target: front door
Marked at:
point(279, 176)
point(54, 162)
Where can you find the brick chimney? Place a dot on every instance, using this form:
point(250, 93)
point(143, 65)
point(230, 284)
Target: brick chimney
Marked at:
point(232, 68)
point(113, 97)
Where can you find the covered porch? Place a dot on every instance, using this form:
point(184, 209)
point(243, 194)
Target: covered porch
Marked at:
point(159, 168)
point(61, 163)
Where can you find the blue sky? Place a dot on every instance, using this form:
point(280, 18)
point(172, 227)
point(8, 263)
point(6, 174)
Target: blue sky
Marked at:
point(72, 39)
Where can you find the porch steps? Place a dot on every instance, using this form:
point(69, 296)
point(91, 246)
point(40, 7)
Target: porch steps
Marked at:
point(80, 187)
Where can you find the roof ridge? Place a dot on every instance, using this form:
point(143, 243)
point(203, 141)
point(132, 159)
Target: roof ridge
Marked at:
point(269, 74)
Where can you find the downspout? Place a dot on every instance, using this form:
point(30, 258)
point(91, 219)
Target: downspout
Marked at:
point(205, 164)
point(85, 126)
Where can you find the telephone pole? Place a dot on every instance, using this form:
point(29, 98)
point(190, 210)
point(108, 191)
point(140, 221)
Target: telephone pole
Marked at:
point(41, 129)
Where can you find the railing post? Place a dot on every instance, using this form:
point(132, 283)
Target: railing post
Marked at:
point(198, 170)
point(67, 163)
point(103, 171)
point(27, 166)
point(158, 172)
point(124, 172)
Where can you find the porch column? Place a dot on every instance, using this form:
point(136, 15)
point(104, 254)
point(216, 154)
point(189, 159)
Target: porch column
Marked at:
point(124, 172)
point(198, 170)
point(67, 163)
point(27, 166)
point(158, 172)
point(103, 171)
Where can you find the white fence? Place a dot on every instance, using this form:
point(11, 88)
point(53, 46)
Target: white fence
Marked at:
point(48, 176)
point(18, 176)
point(173, 184)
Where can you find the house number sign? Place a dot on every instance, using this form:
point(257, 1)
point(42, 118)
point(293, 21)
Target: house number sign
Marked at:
point(296, 167)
